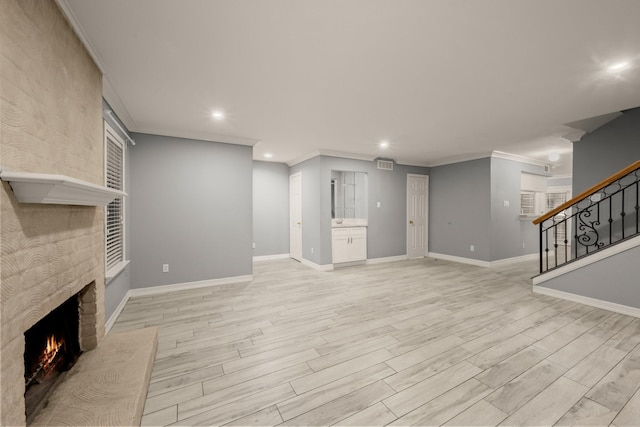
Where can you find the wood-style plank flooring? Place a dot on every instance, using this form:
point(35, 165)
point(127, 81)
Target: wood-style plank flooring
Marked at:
point(422, 342)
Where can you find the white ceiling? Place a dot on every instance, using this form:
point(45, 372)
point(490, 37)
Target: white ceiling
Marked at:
point(442, 80)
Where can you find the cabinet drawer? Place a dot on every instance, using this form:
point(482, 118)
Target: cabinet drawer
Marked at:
point(341, 232)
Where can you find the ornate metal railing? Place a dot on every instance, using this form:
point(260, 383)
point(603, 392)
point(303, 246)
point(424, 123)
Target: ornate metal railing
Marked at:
point(603, 215)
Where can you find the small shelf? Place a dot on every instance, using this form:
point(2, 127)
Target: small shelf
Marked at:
point(58, 189)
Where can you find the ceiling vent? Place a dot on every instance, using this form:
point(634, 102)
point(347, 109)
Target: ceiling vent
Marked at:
point(386, 165)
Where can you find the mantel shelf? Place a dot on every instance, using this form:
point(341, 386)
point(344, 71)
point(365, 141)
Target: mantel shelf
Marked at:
point(58, 189)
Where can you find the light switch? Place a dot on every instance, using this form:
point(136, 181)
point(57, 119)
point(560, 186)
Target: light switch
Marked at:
point(378, 204)
point(506, 203)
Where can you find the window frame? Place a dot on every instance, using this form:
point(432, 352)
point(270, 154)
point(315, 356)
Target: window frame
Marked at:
point(110, 135)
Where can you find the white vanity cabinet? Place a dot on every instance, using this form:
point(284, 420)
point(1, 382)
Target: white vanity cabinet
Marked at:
point(349, 244)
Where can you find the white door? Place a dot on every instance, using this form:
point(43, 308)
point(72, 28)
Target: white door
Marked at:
point(417, 220)
point(295, 216)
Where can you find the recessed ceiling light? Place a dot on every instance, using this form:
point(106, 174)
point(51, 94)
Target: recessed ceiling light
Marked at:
point(218, 115)
point(384, 144)
point(268, 155)
point(619, 66)
point(554, 157)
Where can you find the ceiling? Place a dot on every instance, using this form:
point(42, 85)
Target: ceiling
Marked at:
point(440, 80)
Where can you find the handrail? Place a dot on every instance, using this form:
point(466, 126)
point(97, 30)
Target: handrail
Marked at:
point(602, 184)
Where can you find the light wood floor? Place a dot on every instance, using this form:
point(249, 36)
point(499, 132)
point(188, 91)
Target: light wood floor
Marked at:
point(423, 342)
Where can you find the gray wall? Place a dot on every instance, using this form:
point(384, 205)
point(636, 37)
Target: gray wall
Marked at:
point(613, 279)
point(191, 208)
point(460, 209)
point(117, 288)
point(508, 231)
point(606, 150)
point(312, 213)
point(270, 208)
point(386, 234)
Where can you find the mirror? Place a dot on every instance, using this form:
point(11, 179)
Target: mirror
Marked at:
point(348, 194)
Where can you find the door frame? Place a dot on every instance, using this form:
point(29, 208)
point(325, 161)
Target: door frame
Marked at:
point(296, 256)
point(426, 210)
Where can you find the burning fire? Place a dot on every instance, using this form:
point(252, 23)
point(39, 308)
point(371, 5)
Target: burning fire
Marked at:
point(50, 351)
point(48, 360)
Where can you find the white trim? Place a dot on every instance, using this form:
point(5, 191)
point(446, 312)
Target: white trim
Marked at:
point(521, 159)
point(582, 262)
point(31, 187)
point(318, 267)
point(462, 260)
point(605, 305)
point(115, 270)
point(269, 257)
point(349, 264)
point(374, 261)
point(354, 156)
point(114, 316)
point(163, 289)
point(514, 260)
point(459, 159)
point(561, 176)
point(86, 41)
point(123, 130)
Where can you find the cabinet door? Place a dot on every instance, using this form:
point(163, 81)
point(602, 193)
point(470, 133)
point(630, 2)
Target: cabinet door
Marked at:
point(358, 246)
point(340, 245)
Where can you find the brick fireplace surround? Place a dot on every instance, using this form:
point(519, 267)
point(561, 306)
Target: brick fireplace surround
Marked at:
point(50, 122)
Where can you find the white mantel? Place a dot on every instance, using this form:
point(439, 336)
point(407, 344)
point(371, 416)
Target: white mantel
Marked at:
point(58, 189)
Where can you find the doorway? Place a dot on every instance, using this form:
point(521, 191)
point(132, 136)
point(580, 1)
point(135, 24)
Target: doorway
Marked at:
point(295, 216)
point(417, 215)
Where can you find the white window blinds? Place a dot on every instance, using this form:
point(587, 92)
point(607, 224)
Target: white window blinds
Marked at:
point(114, 172)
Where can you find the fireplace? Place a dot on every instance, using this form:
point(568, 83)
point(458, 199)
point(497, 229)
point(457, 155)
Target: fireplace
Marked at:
point(52, 347)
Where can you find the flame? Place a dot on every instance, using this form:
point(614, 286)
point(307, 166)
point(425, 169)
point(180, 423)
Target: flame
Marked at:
point(51, 350)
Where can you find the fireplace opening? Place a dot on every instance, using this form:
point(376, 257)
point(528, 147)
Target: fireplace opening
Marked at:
point(51, 347)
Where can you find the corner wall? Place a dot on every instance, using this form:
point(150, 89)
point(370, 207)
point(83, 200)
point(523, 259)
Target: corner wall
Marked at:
point(191, 208)
point(270, 208)
point(509, 233)
point(460, 209)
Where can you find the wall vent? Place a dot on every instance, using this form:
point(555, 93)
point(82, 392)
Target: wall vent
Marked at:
point(386, 165)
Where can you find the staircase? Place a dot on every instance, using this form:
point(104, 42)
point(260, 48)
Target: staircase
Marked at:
point(590, 245)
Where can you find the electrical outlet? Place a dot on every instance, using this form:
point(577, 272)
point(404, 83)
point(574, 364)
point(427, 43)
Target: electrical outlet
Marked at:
point(378, 204)
point(472, 248)
point(254, 245)
point(165, 268)
point(522, 245)
point(506, 203)
point(311, 250)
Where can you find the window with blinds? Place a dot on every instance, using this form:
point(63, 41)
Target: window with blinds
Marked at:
point(114, 172)
point(527, 203)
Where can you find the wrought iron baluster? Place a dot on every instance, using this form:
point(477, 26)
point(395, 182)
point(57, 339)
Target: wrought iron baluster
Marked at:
point(555, 242)
point(540, 245)
point(610, 219)
point(623, 213)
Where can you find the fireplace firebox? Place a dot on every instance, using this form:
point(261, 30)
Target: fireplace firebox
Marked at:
point(51, 347)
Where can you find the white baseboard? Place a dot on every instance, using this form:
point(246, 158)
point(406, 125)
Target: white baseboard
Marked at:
point(163, 289)
point(270, 257)
point(515, 260)
point(397, 258)
point(593, 302)
point(114, 316)
point(471, 261)
point(326, 267)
